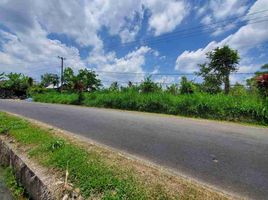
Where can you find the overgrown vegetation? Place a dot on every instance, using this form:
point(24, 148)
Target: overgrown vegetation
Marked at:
point(240, 106)
point(16, 188)
point(89, 170)
point(214, 98)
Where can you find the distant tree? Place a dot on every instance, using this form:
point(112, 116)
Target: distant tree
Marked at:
point(68, 78)
point(114, 86)
point(2, 76)
point(222, 62)
point(173, 89)
point(186, 87)
point(85, 80)
point(130, 84)
point(264, 70)
point(49, 78)
point(149, 86)
point(262, 84)
point(254, 83)
point(238, 90)
point(211, 83)
point(17, 83)
point(89, 79)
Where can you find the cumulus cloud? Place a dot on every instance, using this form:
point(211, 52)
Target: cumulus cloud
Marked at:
point(219, 10)
point(26, 47)
point(166, 15)
point(246, 38)
point(109, 64)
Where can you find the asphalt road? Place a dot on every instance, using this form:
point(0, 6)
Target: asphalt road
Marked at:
point(231, 157)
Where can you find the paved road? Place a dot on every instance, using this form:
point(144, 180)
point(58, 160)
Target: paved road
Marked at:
point(229, 156)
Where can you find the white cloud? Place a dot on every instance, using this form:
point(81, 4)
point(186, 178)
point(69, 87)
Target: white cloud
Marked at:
point(220, 10)
point(166, 15)
point(188, 61)
point(227, 8)
point(246, 38)
point(133, 62)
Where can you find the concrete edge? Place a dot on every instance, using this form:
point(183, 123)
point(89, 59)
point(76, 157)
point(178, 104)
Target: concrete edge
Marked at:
point(33, 182)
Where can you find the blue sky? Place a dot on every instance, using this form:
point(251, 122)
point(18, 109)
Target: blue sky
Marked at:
point(135, 37)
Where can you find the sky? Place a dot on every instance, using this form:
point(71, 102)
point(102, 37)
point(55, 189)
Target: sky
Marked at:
point(135, 38)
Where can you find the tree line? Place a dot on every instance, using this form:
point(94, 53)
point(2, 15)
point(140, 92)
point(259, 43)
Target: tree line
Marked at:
point(221, 62)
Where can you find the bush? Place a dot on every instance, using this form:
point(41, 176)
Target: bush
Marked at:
point(149, 86)
point(37, 89)
point(187, 87)
point(222, 107)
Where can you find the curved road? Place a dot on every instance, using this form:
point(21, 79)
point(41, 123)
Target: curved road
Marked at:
point(231, 157)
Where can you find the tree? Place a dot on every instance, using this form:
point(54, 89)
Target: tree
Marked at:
point(187, 87)
point(238, 90)
point(17, 83)
point(49, 78)
point(222, 62)
point(2, 76)
point(255, 83)
point(85, 80)
point(149, 86)
point(211, 83)
point(69, 78)
point(262, 84)
point(264, 70)
point(173, 89)
point(114, 86)
point(89, 79)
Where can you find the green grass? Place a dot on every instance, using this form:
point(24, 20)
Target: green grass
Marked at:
point(15, 188)
point(89, 170)
point(246, 108)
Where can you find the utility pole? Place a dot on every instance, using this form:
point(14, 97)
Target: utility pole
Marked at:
point(61, 79)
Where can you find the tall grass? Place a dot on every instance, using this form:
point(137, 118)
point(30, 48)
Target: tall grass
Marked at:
point(244, 108)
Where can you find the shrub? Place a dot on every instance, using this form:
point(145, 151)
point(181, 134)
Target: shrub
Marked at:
point(149, 86)
point(187, 87)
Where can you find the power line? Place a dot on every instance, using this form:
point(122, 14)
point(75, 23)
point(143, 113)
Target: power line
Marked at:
point(197, 27)
point(173, 36)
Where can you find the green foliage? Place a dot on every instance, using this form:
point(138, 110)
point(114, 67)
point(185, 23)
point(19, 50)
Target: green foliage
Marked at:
point(173, 89)
point(85, 80)
point(264, 70)
point(186, 87)
point(211, 83)
point(238, 90)
point(148, 86)
point(2, 76)
point(262, 85)
point(56, 144)
point(222, 62)
point(36, 89)
point(16, 84)
point(16, 188)
point(114, 86)
point(49, 78)
point(246, 108)
point(56, 97)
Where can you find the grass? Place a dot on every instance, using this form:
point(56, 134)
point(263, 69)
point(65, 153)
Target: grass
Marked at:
point(96, 175)
point(15, 188)
point(246, 108)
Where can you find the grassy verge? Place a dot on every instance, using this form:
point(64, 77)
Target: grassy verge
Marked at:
point(97, 173)
point(248, 109)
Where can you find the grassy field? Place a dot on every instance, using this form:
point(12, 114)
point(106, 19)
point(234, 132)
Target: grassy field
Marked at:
point(246, 108)
point(98, 174)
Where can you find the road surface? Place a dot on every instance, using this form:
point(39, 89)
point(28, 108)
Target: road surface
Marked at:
point(228, 156)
